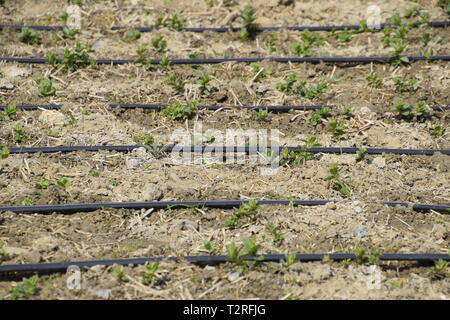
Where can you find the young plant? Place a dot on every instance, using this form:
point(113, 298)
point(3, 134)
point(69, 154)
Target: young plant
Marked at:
point(291, 258)
point(275, 232)
point(145, 139)
point(26, 202)
point(143, 59)
point(77, 57)
point(9, 113)
point(133, 35)
point(234, 254)
point(421, 110)
point(361, 154)
point(337, 128)
point(150, 271)
point(4, 153)
point(334, 175)
point(210, 247)
point(362, 257)
point(51, 58)
point(313, 90)
point(270, 42)
point(177, 111)
point(288, 86)
point(175, 82)
point(439, 270)
point(249, 28)
point(344, 36)
point(18, 134)
point(404, 85)
point(260, 115)
point(249, 209)
point(438, 131)
point(374, 81)
point(397, 46)
point(67, 33)
point(203, 81)
point(26, 289)
point(251, 246)
point(43, 184)
point(29, 36)
point(118, 272)
point(165, 62)
point(62, 182)
point(403, 109)
point(318, 116)
point(45, 87)
point(259, 72)
point(346, 112)
point(172, 22)
point(159, 43)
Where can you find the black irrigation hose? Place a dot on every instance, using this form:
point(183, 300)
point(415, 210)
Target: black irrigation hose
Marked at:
point(380, 59)
point(223, 149)
point(201, 107)
point(434, 24)
point(58, 267)
point(220, 204)
point(268, 108)
point(36, 107)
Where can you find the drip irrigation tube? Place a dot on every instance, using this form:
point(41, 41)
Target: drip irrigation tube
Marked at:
point(58, 267)
point(380, 59)
point(220, 204)
point(36, 107)
point(223, 149)
point(433, 24)
point(268, 108)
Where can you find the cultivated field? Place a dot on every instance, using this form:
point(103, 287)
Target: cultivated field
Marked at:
point(372, 110)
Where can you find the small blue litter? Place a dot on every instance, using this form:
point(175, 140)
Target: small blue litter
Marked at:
point(361, 232)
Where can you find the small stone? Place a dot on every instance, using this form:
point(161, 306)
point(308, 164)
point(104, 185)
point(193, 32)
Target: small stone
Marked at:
point(46, 243)
point(97, 269)
point(379, 162)
point(132, 163)
point(101, 293)
point(6, 84)
point(52, 117)
point(233, 276)
point(14, 251)
point(330, 206)
point(16, 72)
point(151, 192)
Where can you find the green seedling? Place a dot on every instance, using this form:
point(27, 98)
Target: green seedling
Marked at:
point(346, 112)
point(344, 36)
point(177, 111)
point(143, 58)
point(288, 86)
point(64, 17)
point(233, 222)
point(43, 184)
point(29, 36)
point(145, 139)
point(165, 62)
point(270, 42)
point(291, 258)
point(402, 109)
point(334, 175)
point(421, 111)
point(133, 35)
point(249, 28)
point(275, 232)
point(438, 131)
point(251, 246)
point(62, 182)
point(4, 153)
point(172, 22)
point(362, 257)
point(159, 43)
point(397, 46)
point(260, 115)
point(410, 13)
point(313, 90)
point(404, 85)
point(439, 270)
point(374, 81)
point(337, 128)
point(150, 271)
point(361, 154)
point(77, 57)
point(51, 58)
point(345, 263)
point(26, 202)
point(45, 87)
point(425, 17)
point(118, 272)
point(18, 134)
point(301, 155)
point(67, 33)
point(233, 253)
point(9, 113)
point(249, 209)
point(210, 247)
point(25, 290)
point(318, 116)
point(301, 49)
point(312, 38)
point(204, 80)
point(259, 72)
point(175, 82)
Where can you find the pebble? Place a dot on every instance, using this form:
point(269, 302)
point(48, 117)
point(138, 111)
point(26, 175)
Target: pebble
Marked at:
point(6, 84)
point(379, 162)
point(233, 276)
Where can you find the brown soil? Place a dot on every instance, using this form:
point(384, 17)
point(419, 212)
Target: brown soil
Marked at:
point(86, 119)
